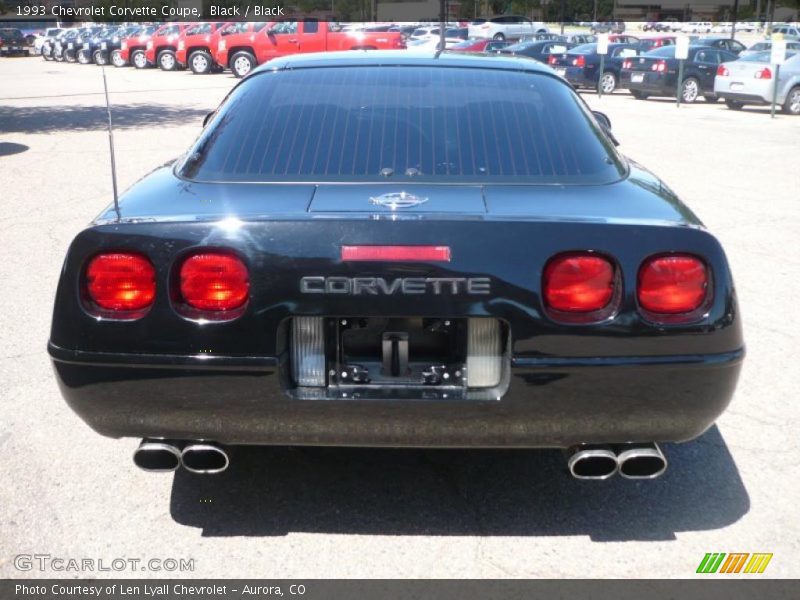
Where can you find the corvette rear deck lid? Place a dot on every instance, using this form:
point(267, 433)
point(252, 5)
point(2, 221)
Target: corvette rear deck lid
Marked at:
point(398, 199)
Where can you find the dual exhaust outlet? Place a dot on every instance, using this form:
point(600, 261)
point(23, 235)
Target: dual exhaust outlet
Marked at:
point(162, 456)
point(631, 461)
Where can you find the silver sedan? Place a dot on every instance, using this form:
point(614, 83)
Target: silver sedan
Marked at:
point(751, 80)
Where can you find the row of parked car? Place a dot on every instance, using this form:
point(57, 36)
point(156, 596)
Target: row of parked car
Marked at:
point(207, 47)
point(717, 67)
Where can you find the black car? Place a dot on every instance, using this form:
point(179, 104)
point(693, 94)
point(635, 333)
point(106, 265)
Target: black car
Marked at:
point(101, 54)
point(68, 46)
point(12, 42)
point(388, 249)
point(63, 45)
point(581, 65)
point(540, 51)
point(720, 43)
point(84, 44)
point(656, 73)
point(92, 44)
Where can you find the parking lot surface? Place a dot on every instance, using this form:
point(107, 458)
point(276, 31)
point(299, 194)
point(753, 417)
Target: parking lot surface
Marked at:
point(307, 512)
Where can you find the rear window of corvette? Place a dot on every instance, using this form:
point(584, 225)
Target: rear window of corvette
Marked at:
point(400, 123)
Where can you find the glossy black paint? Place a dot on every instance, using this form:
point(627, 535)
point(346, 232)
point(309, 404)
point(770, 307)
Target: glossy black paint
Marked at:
point(623, 379)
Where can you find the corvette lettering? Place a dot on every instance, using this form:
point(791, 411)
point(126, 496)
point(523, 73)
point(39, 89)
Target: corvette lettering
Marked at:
point(357, 286)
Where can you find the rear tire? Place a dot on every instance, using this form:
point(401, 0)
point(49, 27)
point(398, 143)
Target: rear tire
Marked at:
point(69, 56)
point(792, 104)
point(117, 60)
point(100, 58)
point(734, 104)
point(84, 57)
point(638, 95)
point(242, 63)
point(200, 62)
point(690, 90)
point(139, 59)
point(166, 60)
point(499, 37)
point(47, 55)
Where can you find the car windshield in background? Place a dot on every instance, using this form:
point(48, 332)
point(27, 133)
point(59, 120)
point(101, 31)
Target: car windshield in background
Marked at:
point(393, 123)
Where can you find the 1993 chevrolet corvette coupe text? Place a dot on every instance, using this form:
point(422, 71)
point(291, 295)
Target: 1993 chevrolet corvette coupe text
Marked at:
point(384, 249)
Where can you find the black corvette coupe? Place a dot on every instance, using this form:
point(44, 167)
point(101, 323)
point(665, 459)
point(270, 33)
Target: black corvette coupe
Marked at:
point(382, 249)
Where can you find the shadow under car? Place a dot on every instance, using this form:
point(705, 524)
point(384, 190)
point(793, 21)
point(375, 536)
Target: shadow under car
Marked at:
point(272, 491)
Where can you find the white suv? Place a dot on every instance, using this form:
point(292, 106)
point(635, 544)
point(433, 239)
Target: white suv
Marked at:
point(506, 27)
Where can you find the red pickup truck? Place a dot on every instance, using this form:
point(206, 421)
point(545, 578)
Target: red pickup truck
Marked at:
point(161, 47)
point(131, 50)
point(243, 53)
point(195, 46)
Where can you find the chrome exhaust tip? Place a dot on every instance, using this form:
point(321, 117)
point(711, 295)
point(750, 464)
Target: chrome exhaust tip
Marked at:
point(641, 461)
point(205, 458)
point(157, 456)
point(592, 462)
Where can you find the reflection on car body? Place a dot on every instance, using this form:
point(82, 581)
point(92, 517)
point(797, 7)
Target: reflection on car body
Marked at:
point(399, 249)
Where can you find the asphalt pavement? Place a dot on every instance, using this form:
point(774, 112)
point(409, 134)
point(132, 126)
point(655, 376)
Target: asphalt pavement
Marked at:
point(307, 512)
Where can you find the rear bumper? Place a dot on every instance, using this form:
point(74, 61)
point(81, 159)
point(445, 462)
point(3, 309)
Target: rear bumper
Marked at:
point(655, 84)
point(549, 403)
point(745, 98)
point(580, 76)
point(13, 50)
point(745, 89)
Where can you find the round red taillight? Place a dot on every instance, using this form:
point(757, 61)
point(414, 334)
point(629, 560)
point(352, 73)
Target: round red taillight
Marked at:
point(121, 281)
point(578, 283)
point(672, 284)
point(214, 281)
